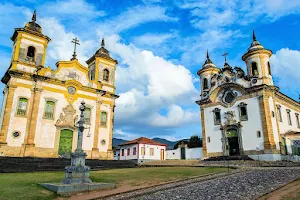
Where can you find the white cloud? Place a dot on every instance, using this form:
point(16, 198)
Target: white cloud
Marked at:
point(285, 67)
point(152, 39)
point(133, 17)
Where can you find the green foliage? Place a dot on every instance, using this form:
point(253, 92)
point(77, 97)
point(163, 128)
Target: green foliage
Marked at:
point(194, 142)
point(179, 143)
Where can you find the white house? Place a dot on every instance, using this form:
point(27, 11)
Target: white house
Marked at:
point(142, 149)
point(184, 153)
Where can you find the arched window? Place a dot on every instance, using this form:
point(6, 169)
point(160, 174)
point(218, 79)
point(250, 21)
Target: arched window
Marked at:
point(243, 111)
point(254, 69)
point(105, 75)
point(103, 118)
point(49, 110)
point(269, 68)
point(30, 53)
point(205, 84)
point(22, 107)
point(92, 74)
point(87, 115)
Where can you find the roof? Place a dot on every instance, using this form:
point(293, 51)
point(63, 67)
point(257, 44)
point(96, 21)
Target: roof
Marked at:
point(143, 140)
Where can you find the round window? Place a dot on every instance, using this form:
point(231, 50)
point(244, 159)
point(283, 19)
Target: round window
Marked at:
point(103, 142)
point(16, 134)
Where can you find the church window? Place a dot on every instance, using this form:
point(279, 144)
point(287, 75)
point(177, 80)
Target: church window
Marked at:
point(205, 84)
point(16, 134)
point(92, 74)
point(105, 75)
point(49, 110)
point(279, 113)
point(297, 120)
point(208, 139)
point(151, 152)
point(243, 111)
point(30, 53)
point(128, 151)
point(288, 112)
point(22, 106)
point(122, 152)
point(217, 116)
point(143, 151)
point(103, 118)
point(269, 68)
point(254, 69)
point(229, 97)
point(87, 115)
point(134, 151)
point(258, 134)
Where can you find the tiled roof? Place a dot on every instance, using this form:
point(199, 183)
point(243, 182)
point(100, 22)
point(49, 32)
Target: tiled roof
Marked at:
point(143, 140)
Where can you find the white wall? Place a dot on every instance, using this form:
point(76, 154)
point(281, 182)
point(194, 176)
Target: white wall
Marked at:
point(131, 156)
point(157, 152)
point(190, 153)
point(173, 154)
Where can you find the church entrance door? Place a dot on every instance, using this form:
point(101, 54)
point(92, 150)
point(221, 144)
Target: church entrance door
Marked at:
point(65, 143)
point(233, 142)
point(182, 153)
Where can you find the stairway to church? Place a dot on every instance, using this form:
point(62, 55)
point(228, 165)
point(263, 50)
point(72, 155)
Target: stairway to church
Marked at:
point(222, 158)
point(27, 164)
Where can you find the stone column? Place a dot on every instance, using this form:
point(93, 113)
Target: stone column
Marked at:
point(7, 113)
point(265, 113)
point(204, 148)
point(110, 153)
point(29, 146)
point(95, 149)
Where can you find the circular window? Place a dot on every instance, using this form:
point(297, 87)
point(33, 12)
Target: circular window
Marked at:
point(229, 97)
point(16, 134)
point(103, 142)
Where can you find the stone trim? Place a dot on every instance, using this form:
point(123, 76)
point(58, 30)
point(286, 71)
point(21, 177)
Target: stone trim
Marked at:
point(95, 149)
point(204, 148)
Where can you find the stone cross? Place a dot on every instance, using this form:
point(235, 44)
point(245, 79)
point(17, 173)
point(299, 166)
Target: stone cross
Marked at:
point(225, 54)
point(75, 41)
point(80, 125)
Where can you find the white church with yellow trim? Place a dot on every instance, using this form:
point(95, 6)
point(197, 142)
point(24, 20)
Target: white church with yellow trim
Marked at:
point(244, 113)
point(40, 105)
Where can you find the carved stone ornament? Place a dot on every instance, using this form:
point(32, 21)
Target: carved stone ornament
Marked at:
point(71, 90)
point(67, 118)
point(230, 117)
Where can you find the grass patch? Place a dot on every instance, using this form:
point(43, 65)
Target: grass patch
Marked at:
point(25, 185)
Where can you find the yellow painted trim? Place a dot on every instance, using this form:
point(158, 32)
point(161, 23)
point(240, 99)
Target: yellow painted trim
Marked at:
point(23, 36)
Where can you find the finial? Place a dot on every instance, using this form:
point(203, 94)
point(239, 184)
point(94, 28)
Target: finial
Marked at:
point(225, 54)
point(75, 41)
point(207, 56)
point(253, 35)
point(102, 43)
point(34, 16)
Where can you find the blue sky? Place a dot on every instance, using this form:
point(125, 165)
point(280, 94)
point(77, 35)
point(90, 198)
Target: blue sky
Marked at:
point(160, 45)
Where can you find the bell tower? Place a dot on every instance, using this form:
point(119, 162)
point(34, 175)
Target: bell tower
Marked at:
point(29, 48)
point(257, 61)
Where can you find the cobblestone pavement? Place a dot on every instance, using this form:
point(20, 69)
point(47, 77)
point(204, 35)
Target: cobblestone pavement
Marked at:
point(245, 185)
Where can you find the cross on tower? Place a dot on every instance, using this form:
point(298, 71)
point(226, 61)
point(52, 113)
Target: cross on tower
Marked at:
point(225, 54)
point(75, 41)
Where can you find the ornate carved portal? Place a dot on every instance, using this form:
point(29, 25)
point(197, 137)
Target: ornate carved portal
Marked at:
point(67, 119)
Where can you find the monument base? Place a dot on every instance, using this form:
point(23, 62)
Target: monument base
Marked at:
point(65, 189)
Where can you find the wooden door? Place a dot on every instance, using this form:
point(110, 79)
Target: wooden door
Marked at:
point(162, 154)
point(65, 143)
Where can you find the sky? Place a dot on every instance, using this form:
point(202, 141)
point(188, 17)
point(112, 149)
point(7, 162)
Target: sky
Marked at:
point(160, 45)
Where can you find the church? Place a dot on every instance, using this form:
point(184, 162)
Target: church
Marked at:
point(244, 113)
point(40, 108)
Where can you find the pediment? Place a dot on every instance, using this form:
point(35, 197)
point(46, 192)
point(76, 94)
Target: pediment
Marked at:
point(227, 93)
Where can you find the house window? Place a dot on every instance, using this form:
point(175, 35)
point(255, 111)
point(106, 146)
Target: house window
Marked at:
point(205, 84)
point(243, 111)
point(49, 110)
point(269, 68)
point(30, 53)
point(122, 152)
point(22, 106)
point(217, 116)
point(254, 69)
point(143, 151)
point(103, 118)
point(128, 151)
point(258, 134)
point(134, 151)
point(297, 120)
point(288, 112)
point(105, 75)
point(87, 115)
point(151, 152)
point(279, 112)
point(208, 139)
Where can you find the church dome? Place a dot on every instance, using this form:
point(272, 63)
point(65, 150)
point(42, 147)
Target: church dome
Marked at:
point(255, 45)
point(208, 63)
point(33, 26)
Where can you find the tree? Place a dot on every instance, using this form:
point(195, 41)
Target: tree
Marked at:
point(179, 143)
point(195, 141)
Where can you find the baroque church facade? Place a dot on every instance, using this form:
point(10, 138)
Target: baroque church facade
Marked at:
point(40, 106)
point(244, 113)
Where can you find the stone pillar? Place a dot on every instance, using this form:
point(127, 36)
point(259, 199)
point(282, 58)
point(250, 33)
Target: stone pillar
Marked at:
point(7, 113)
point(110, 153)
point(29, 146)
point(204, 148)
point(265, 113)
point(95, 149)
